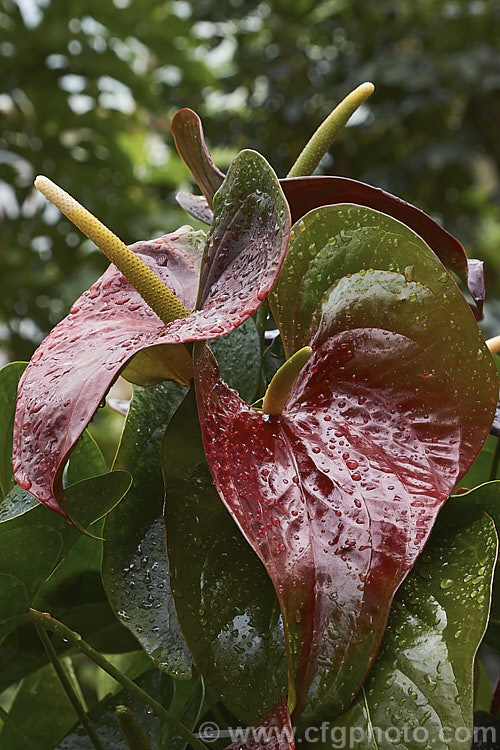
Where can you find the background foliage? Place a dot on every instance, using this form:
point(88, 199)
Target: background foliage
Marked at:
point(89, 89)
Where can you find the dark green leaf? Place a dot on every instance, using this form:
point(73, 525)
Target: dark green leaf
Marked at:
point(224, 599)
point(135, 569)
point(239, 355)
point(86, 460)
point(422, 679)
point(483, 691)
point(186, 705)
point(42, 708)
point(103, 716)
point(33, 543)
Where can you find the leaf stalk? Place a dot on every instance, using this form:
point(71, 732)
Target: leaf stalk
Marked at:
point(68, 688)
point(47, 622)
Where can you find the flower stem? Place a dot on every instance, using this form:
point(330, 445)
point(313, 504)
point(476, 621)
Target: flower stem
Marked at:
point(320, 142)
point(68, 688)
point(153, 291)
point(60, 629)
point(131, 729)
point(11, 724)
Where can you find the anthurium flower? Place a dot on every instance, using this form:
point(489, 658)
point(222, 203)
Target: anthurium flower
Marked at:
point(337, 482)
point(155, 296)
point(305, 192)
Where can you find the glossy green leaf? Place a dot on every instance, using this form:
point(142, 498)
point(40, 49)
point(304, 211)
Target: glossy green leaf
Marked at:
point(485, 498)
point(224, 599)
point(42, 708)
point(33, 543)
point(186, 705)
point(9, 378)
point(240, 358)
point(352, 267)
point(86, 460)
point(422, 679)
point(135, 568)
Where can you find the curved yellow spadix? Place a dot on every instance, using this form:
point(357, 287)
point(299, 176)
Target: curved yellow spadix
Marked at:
point(160, 299)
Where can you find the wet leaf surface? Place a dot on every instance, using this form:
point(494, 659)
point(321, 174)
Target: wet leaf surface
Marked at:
point(306, 193)
point(351, 267)
point(135, 567)
point(309, 192)
point(74, 367)
point(225, 601)
point(484, 498)
point(338, 494)
point(419, 692)
point(239, 358)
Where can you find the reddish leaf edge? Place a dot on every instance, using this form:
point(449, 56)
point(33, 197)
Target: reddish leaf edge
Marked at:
point(42, 442)
point(306, 193)
point(441, 477)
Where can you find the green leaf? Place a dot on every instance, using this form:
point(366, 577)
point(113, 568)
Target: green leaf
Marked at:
point(32, 544)
point(86, 460)
point(485, 498)
point(240, 357)
point(161, 687)
point(351, 267)
point(103, 716)
point(9, 378)
point(187, 702)
point(42, 708)
point(480, 471)
point(224, 599)
point(21, 652)
point(422, 679)
point(135, 568)
point(483, 691)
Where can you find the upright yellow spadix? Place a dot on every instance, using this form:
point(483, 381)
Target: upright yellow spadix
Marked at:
point(320, 142)
point(281, 384)
point(160, 299)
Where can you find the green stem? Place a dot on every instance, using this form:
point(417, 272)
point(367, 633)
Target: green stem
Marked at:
point(320, 142)
point(68, 688)
point(494, 462)
point(16, 729)
point(131, 729)
point(62, 630)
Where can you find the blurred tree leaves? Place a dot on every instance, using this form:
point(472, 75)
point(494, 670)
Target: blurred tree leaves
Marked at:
point(89, 88)
point(88, 91)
